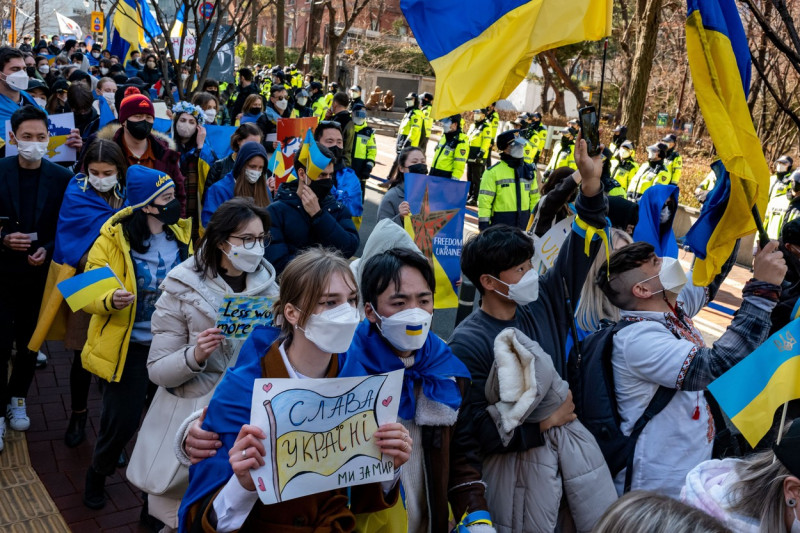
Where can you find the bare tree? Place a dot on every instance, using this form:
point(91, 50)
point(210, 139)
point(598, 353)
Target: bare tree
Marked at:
point(335, 36)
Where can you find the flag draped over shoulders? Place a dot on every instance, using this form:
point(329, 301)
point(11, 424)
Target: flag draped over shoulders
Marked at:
point(719, 58)
point(83, 213)
point(464, 37)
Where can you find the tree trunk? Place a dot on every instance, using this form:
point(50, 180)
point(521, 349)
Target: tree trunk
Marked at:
point(280, 20)
point(252, 34)
point(333, 47)
point(37, 24)
point(647, 36)
point(566, 80)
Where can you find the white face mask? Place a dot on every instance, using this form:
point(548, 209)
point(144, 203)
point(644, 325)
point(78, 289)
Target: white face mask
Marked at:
point(31, 151)
point(184, 76)
point(211, 115)
point(665, 214)
point(103, 183)
point(781, 167)
point(109, 98)
point(359, 121)
point(280, 105)
point(406, 330)
point(245, 260)
point(518, 148)
point(624, 153)
point(795, 522)
point(332, 330)
point(44, 69)
point(103, 71)
point(301, 100)
point(18, 80)
point(252, 175)
point(671, 276)
point(95, 54)
point(185, 129)
point(41, 101)
point(409, 103)
point(525, 291)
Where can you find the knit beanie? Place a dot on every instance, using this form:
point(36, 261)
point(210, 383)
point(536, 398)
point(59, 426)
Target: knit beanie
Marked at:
point(248, 151)
point(145, 184)
point(134, 104)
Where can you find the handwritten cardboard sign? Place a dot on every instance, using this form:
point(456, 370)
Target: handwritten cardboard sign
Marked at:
point(549, 245)
point(320, 433)
point(59, 127)
point(238, 315)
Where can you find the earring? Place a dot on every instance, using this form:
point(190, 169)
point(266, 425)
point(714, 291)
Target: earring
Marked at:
point(791, 502)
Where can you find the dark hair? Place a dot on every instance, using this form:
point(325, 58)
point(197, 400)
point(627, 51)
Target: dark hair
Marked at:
point(621, 261)
point(79, 97)
point(246, 74)
point(342, 99)
point(77, 56)
point(7, 54)
point(382, 269)
point(326, 125)
point(790, 233)
point(202, 98)
point(26, 113)
point(276, 89)
point(137, 231)
point(106, 151)
point(403, 157)
point(245, 130)
point(41, 58)
point(224, 222)
point(210, 83)
point(556, 177)
point(493, 251)
point(323, 150)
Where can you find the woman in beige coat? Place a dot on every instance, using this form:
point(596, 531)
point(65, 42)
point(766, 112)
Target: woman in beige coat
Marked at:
point(188, 354)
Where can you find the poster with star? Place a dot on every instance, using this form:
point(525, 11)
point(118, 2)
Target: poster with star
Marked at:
point(438, 209)
point(320, 433)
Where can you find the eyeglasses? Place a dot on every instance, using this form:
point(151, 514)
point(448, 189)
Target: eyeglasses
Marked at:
point(249, 242)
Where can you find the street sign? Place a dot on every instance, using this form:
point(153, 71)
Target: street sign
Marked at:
point(206, 10)
point(97, 21)
point(661, 120)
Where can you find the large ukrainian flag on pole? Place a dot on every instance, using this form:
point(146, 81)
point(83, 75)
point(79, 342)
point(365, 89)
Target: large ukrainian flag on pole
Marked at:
point(482, 49)
point(719, 58)
point(751, 391)
point(133, 27)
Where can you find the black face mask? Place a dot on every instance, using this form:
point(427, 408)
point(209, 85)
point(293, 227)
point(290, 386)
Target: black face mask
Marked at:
point(338, 161)
point(321, 188)
point(419, 168)
point(168, 213)
point(139, 130)
point(31, 71)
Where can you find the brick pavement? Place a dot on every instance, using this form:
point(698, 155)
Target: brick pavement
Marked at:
point(62, 469)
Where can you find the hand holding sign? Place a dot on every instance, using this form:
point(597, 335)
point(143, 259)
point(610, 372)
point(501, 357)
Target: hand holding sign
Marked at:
point(247, 454)
point(238, 315)
point(207, 341)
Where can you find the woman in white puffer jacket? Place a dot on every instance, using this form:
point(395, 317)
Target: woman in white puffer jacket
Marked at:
point(188, 354)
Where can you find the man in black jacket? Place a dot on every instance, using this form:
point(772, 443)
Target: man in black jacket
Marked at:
point(246, 87)
point(31, 190)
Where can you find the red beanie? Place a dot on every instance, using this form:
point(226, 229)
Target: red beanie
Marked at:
point(133, 105)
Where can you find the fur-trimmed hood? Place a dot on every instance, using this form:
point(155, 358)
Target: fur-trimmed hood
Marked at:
point(110, 131)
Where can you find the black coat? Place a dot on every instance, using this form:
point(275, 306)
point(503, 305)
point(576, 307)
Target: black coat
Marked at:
point(53, 182)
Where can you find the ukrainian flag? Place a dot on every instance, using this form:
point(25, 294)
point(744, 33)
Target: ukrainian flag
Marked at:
point(311, 158)
point(133, 28)
point(463, 39)
point(177, 28)
point(81, 290)
point(281, 166)
point(414, 331)
point(751, 391)
point(719, 58)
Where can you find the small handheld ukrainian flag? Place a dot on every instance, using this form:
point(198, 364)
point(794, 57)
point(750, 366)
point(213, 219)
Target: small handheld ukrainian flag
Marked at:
point(754, 388)
point(79, 291)
point(311, 157)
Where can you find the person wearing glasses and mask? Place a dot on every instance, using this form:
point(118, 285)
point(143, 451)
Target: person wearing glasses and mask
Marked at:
point(280, 105)
point(306, 214)
point(188, 354)
point(246, 179)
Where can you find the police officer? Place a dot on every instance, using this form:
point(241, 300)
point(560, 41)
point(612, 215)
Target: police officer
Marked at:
point(653, 172)
point(521, 123)
point(480, 143)
point(538, 134)
point(426, 105)
point(333, 88)
point(783, 207)
point(317, 100)
point(618, 137)
point(493, 117)
point(564, 156)
point(673, 160)
point(623, 164)
point(508, 189)
point(364, 147)
point(355, 96)
point(780, 182)
point(295, 77)
point(451, 152)
point(410, 130)
point(301, 101)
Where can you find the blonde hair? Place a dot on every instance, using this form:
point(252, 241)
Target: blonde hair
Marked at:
point(250, 101)
point(593, 305)
point(305, 280)
point(759, 491)
point(641, 511)
point(257, 191)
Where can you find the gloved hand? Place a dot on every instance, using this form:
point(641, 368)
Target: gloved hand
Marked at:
point(547, 174)
point(536, 159)
point(482, 226)
point(481, 155)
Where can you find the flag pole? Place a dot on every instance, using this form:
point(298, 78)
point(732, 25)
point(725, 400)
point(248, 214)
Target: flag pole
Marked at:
point(783, 421)
point(115, 275)
point(763, 238)
point(602, 79)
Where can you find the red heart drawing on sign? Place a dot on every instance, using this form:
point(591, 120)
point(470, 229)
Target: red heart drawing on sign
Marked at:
point(267, 387)
point(261, 485)
point(387, 401)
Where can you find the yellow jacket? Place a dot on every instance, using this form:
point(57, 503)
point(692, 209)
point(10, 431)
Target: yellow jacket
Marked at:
point(110, 329)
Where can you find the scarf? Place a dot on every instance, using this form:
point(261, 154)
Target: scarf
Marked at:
point(434, 365)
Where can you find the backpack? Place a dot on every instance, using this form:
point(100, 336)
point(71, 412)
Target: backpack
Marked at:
point(591, 379)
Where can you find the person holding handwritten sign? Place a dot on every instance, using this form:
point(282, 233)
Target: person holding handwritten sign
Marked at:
point(317, 307)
